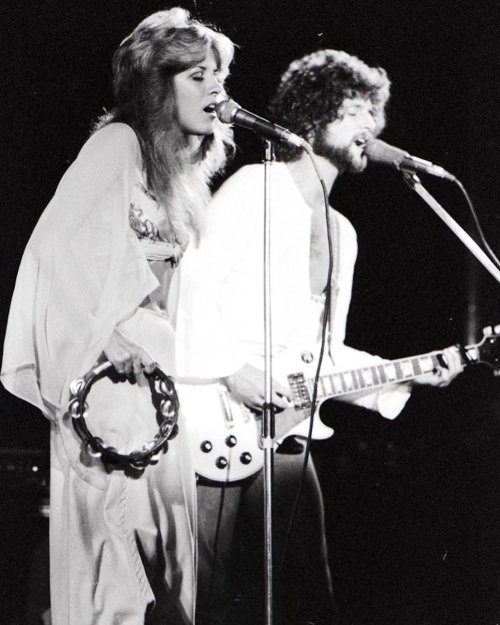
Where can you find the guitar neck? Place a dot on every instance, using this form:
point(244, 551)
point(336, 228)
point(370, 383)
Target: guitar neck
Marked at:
point(373, 376)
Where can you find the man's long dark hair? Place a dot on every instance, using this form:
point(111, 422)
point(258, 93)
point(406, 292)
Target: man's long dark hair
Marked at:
point(313, 88)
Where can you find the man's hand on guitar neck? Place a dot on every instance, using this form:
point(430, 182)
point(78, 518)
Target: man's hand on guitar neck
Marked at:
point(247, 386)
point(452, 365)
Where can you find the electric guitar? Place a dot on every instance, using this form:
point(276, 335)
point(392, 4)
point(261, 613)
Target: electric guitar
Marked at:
point(224, 433)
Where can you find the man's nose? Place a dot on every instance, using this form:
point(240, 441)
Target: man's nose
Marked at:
point(369, 122)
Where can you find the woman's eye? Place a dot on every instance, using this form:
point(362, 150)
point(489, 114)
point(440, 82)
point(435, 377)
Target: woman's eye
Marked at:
point(198, 77)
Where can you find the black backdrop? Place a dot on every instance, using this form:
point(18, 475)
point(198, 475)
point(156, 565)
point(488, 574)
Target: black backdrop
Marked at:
point(412, 505)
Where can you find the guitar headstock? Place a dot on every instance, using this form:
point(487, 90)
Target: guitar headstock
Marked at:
point(488, 350)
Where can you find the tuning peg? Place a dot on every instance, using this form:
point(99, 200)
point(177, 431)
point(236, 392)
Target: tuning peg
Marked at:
point(490, 330)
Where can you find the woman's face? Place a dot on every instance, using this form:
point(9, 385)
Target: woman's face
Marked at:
point(197, 91)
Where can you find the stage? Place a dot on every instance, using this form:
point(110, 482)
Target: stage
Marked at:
point(412, 505)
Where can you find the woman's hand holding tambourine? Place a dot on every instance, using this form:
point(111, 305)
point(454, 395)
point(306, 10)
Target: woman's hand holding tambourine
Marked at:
point(127, 357)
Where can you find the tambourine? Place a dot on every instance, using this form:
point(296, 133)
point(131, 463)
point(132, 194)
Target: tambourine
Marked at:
point(163, 398)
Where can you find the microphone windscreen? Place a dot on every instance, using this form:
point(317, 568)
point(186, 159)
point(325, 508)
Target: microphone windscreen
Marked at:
point(226, 110)
point(379, 151)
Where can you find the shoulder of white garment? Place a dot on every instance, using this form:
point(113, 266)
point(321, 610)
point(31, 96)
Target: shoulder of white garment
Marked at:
point(115, 135)
point(249, 180)
point(232, 204)
point(248, 176)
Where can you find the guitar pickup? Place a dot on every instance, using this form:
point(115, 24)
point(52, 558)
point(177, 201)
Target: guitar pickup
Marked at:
point(229, 406)
point(226, 404)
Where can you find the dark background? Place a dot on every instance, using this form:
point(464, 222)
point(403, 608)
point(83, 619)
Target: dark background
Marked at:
point(412, 505)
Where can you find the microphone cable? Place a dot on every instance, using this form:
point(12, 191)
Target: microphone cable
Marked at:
point(324, 331)
point(477, 224)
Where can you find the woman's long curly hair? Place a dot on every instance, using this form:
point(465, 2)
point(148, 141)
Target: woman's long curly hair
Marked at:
point(161, 46)
point(313, 88)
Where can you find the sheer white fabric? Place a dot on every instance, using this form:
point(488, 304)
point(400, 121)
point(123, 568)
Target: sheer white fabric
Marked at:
point(82, 272)
point(118, 545)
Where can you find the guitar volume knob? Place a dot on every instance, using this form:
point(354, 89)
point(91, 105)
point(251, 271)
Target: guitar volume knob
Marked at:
point(221, 462)
point(206, 447)
point(246, 457)
point(231, 441)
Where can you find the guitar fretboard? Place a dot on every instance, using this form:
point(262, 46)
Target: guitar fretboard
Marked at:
point(372, 376)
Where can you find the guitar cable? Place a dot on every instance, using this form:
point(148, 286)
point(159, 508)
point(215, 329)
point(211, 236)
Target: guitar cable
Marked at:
point(214, 559)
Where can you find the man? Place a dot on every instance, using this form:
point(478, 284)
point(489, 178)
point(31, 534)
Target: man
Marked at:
point(335, 102)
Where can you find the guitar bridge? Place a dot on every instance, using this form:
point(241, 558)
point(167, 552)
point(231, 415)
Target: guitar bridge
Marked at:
point(300, 393)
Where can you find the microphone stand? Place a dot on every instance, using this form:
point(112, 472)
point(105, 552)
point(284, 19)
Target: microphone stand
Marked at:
point(413, 181)
point(267, 432)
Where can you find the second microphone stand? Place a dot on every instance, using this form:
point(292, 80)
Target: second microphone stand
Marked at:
point(413, 181)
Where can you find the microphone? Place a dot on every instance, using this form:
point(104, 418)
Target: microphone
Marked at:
point(380, 152)
point(229, 112)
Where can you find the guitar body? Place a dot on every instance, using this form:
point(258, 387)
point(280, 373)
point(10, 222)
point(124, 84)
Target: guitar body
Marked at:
point(225, 434)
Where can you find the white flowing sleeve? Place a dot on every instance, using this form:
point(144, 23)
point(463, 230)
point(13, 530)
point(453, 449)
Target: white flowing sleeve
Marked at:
point(82, 272)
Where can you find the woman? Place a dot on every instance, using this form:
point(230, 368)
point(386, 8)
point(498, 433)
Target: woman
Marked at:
point(99, 280)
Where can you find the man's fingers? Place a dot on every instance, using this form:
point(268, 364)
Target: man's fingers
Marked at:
point(282, 390)
point(280, 401)
point(453, 360)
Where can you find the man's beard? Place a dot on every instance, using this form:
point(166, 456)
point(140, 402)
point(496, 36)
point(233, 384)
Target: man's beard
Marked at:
point(343, 158)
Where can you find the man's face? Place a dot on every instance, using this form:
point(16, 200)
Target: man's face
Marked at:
point(343, 140)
